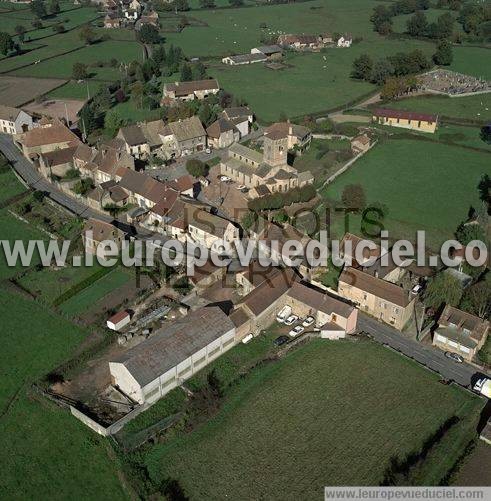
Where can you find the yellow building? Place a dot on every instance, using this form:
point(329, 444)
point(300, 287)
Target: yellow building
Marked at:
point(422, 122)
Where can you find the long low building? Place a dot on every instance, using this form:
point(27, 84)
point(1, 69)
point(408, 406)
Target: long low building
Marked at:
point(422, 122)
point(173, 354)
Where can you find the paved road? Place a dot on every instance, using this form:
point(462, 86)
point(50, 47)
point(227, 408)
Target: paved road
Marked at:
point(30, 175)
point(426, 355)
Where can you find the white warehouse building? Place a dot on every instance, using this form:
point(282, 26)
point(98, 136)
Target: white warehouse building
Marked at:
point(154, 367)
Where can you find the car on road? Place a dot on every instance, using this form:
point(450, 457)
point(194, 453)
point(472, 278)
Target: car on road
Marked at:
point(280, 341)
point(291, 319)
point(224, 179)
point(307, 322)
point(296, 331)
point(454, 356)
point(247, 338)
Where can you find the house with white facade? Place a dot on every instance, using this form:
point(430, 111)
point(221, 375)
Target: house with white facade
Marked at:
point(14, 120)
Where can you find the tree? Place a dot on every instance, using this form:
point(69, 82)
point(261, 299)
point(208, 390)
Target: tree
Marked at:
point(39, 9)
point(207, 4)
point(442, 28)
point(88, 120)
point(417, 24)
point(381, 19)
point(214, 383)
point(186, 73)
point(443, 289)
point(83, 186)
point(79, 71)
point(159, 55)
point(248, 220)
point(382, 70)
point(6, 43)
point(87, 34)
point(149, 34)
point(199, 71)
point(37, 24)
point(236, 3)
point(362, 67)
point(137, 93)
point(196, 167)
point(385, 28)
point(181, 5)
point(353, 196)
point(54, 7)
point(443, 55)
point(112, 122)
point(485, 134)
point(20, 31)
point(466, 232)
point(477, 299)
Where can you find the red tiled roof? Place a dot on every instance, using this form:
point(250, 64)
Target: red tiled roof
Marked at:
point(407, 115)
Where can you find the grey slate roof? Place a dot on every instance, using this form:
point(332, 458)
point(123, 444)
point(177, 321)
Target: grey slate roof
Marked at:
point(173, 344)
point(133, 135)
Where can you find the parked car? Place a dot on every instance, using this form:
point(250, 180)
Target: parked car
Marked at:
point(224, 179)
point(454, 356)
point(417, 289)
point(296, 331)
point(240, 187)
point(208, 150)
point(291, 319)
point(280, 341)
point(247, 338)
point(284, 313)
point(308, 321)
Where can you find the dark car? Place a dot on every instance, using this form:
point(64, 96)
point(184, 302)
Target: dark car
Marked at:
point(454, 357)
point(281, 340)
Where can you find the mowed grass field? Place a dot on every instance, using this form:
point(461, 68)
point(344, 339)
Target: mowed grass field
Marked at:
point(46, 452)
point(471, 61)
point(476, 107)
point(326, 414)
point(426, 186)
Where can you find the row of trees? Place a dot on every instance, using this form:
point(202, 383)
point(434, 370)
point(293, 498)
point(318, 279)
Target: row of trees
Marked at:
point(280, 200)
point(382, 15)
point(418, 26)
point(364, 68)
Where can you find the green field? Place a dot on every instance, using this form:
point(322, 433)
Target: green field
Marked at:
point(333, 432)
point(471, 107)
point(471, 60)
point(82, 301)
point(426, 186)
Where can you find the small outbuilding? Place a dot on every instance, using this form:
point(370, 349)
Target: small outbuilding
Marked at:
point(118, 320)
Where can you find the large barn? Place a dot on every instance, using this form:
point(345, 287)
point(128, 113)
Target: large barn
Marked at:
point(151, 369)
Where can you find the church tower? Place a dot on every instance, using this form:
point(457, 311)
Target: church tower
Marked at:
point(275, 149)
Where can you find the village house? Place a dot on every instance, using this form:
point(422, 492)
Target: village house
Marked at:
point(169, 218)
point(241, 116)
point(381, 299)
point(173, 354)
point(109, 193)
point(347, 251)
point(109, 159)
point(56, 162)
point(360, 144)
point(151, 18)
point(83, 157)
point(305, 42)
point(293, 136)
point(183, 137)
point(14, 120)
point(52, 135)
point(112, 21)
point(188, 91)
point(345, 40)
point(333, 317)
point(460, 332)
point(95, 232)
point(253, 276)
point(209, 230)
point(222, 133)
point(421, 122)
point(270, 168)
point(135, 142)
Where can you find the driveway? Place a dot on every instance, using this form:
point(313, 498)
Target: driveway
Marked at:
point(428, 356)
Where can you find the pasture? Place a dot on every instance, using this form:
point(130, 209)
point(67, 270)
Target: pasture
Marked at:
point(16, 91)
point(470, 60)
point(334, 432)
point(425, 185)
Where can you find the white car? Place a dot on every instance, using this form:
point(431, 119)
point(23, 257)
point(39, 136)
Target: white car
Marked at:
point(416, 289)
point(296, 331)
point(285, 312)
point(208, 150)
point(224, 179)
point(308, 321)
point(240, 187)
point(247, 338)
point(291, 319)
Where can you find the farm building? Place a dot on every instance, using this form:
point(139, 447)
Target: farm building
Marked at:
point(173, 354)
point(14, 120)
point(118, 320)
point(244, 59)
point(421, 122)
point(270, 51)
